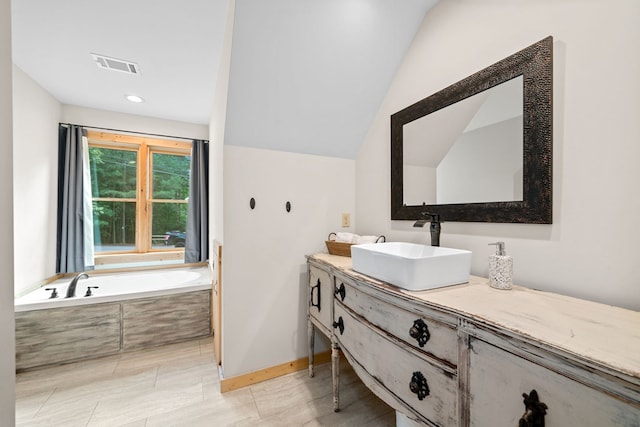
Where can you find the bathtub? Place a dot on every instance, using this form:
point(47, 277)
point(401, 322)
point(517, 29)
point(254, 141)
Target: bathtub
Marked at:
point(118, 287)
point(128, 311)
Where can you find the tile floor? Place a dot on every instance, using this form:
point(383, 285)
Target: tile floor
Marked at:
point(178, 385)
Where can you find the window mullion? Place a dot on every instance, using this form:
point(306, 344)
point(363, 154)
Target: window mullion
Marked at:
point(142, 235)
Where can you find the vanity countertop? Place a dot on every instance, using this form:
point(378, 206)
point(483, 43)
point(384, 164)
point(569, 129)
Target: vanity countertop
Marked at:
point(594, 332)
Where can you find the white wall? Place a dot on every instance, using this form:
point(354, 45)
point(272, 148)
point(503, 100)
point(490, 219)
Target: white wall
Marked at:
point(216, 134)
point(129, 122)
point(591, 250)
point(7, 323)
point(35, 152)
point(264, 267)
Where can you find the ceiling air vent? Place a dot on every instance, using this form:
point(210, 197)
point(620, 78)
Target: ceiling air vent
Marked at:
point(116, 64)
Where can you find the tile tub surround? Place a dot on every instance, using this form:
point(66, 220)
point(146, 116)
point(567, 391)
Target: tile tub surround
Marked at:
point(178, 385)
point(61, 335)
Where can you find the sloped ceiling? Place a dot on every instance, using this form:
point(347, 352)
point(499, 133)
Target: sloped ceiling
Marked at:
point(309, 76)
point(306, 75)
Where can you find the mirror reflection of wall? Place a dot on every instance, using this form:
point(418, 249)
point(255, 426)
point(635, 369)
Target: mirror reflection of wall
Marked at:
point(468, 152)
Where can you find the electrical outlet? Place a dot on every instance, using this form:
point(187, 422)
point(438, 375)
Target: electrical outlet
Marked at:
point(346, 220)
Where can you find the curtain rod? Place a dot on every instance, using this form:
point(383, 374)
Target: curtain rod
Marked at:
point(129, 131)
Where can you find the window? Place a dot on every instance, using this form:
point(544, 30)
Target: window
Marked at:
point(140, 191)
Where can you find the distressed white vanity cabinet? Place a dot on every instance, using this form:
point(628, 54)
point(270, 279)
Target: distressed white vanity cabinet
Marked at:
point(321, 298)
point(500, 376)
point(470, 355)
point(320, 315)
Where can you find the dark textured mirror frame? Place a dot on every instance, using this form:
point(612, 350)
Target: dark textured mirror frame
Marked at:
point(535, 64)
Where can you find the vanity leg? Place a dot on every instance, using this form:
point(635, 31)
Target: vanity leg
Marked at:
point(311, 337)
point(335, 375)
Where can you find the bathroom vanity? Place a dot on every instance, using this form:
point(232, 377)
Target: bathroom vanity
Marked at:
point(471, 355)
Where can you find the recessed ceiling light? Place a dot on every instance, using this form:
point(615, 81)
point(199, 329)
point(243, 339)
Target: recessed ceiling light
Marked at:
point(134, 98)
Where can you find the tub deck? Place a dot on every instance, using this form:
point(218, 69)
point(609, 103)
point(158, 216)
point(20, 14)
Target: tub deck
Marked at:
point(118, 287)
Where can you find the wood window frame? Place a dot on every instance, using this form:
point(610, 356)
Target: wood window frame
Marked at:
point(144, 147)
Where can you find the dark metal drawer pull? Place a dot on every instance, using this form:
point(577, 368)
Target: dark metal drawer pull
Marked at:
point(313, 288)
point(534, 411)
point(339, 324)
point(340, 290)
point(420, 332)
point(419, 386)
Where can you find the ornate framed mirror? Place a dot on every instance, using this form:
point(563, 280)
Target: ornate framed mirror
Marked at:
point(481, 149)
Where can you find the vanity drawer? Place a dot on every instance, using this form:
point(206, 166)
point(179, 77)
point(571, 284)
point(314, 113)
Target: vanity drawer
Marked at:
point(393, 366)
point(320, 296)
point(435, 338)
point(499, 378)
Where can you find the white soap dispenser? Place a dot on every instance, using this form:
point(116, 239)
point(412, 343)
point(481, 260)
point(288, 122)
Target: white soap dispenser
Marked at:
point(500, 268)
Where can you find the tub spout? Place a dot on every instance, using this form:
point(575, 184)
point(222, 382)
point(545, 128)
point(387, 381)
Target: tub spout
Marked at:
point(71, 290)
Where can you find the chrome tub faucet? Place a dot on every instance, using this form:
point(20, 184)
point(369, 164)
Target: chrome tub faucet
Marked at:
point(71, 290)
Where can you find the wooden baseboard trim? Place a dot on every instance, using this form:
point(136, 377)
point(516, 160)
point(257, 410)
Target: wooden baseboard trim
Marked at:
point(234, 383)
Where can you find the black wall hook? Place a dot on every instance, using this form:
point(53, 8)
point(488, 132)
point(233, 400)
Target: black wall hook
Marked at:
point(288, 206)
point(252, 203)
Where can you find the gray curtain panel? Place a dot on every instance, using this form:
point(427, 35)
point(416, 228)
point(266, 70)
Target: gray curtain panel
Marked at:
point(70, 243)
point(197, 240)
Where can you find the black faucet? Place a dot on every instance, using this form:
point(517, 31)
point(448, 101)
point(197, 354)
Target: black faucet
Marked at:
point(434, 228)
point(71, 290)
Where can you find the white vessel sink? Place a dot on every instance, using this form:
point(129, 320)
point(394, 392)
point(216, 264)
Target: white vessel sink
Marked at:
point(411, 266)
